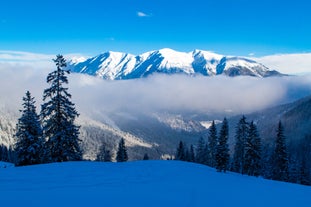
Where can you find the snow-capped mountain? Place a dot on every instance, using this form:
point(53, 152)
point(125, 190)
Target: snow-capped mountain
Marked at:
point(117, 66)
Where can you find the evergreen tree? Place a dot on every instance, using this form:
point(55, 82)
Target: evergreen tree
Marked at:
point(212, 145)
point(11, 155)
point(122, 152)
point(29, 134)
point(222, 156)
point(187, 153)
point(202, 151)
point(294, 168)
point(146, 157)
point(104, 155)
point(181, 152)
point(266, 161)
point(239, 148)
point(4, 153)
point(191, 155)
point(304, 174)
point(280, 157)
point(58, 115)
point(252, 161)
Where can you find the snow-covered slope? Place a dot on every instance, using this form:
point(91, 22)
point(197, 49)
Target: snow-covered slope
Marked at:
point(179, 123)
point(236, 66)
point(115, 65)
point(8, 121)
point(93, 134)
point(107, 65)
point(141, 184)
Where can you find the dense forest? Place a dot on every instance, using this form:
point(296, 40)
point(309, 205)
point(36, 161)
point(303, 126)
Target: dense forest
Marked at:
point(250, 156)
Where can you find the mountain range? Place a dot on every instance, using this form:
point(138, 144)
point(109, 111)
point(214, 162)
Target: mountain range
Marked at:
point(120, 66)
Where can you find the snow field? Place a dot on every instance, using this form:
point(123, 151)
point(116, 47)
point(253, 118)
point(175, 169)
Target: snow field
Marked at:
point(141, 183)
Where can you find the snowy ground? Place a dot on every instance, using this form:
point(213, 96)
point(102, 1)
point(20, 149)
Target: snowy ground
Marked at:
point(141, 183)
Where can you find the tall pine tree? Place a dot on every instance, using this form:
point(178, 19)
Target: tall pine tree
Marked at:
point(252, 161)
point(222, 156)
point(58, 116)
point(305, 163)
point(239, 148)
point(202, 151)
point(280, 156)
point(4, 153)
point(29, 142)
point(181, 152)
point(191, 155)
point(122, 152)
point(212, 145)
point(146, 156)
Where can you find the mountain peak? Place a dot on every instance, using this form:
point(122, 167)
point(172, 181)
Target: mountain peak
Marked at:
point(117, 65)
point(167, 50)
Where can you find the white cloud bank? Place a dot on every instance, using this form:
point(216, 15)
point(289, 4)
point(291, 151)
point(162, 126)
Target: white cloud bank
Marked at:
point(183, 93)
point(17, 56)
point(34, 59)
point(296, 64)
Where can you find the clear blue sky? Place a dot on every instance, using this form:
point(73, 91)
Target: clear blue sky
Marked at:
point(237, 27)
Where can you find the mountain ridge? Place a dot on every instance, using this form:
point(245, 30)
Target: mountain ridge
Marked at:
point(119, 66)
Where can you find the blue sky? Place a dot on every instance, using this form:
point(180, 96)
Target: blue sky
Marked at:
point(239, 27)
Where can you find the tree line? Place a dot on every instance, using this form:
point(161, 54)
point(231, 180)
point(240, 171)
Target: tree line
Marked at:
point(248, 158)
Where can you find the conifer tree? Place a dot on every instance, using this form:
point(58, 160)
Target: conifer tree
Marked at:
point(212, 145)
point(280, 156)
point(146, 156)
point(191, 156)
point(202, 151)
point(222, 156)
point(181, 152)
point(266, 161)
point(4, 153)
point(122, 152)
point(304, 173)
point(304, 167)
point(104, 155)
point(58, 115)
point(252, 161)
point(239, 148)
point(29, 142)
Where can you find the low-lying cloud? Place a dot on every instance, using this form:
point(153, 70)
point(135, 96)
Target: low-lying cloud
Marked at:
point(288, 63)
point(159, 92)
point(184, 93)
